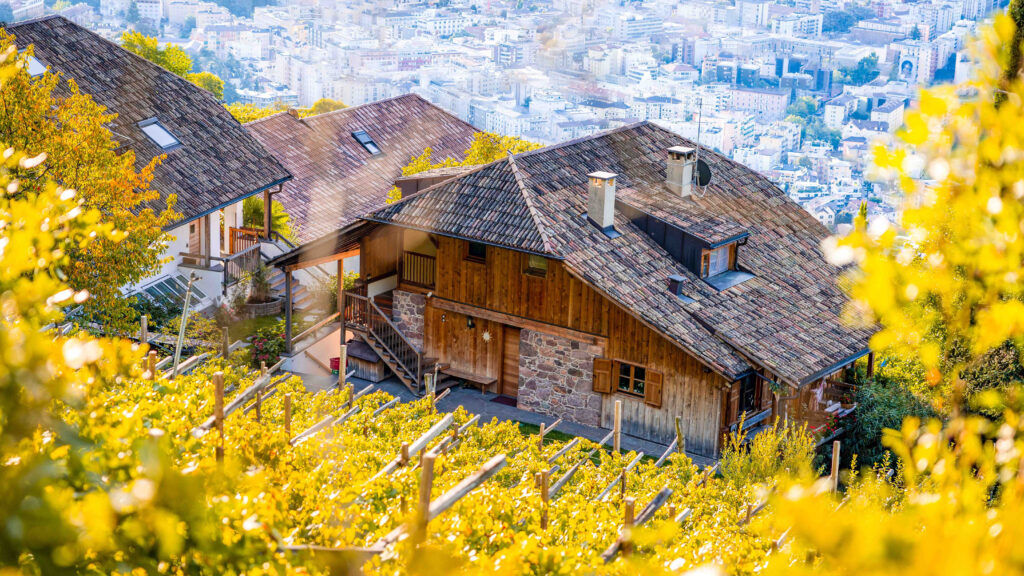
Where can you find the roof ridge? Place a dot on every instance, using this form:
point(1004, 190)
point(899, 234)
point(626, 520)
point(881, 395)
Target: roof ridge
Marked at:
point(534, 213)
point(586, 138)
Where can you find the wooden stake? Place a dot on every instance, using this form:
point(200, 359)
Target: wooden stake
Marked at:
point(218, 411)
point(545, 481)
point(404, 454)
point(144, 329)
point(622, 489)
point(263, 369)
point(426, 482)
point(835, 466)
point(680, 440)
point(288, 415)
point(225, 343)
point(259, 401)
point(342, 365)
point(618, 427)
point(627, 524)
point(150, 373)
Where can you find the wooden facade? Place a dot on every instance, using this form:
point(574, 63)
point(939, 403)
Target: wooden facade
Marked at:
point(500, 296)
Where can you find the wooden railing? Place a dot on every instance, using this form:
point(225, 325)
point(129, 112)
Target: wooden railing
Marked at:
point(419, 269)
point(240, 239)
point(362, 313)
point(239, 264)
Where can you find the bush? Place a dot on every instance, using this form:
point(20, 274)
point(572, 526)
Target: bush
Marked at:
point(782, 449)
point(267, 345)
point(325, 293)
point(884, 404)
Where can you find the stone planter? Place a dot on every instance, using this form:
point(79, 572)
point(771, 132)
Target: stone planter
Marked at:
point(272, 308)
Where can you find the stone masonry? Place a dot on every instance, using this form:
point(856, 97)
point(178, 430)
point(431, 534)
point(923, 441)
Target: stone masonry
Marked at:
point(556, 377)
point(407, 313)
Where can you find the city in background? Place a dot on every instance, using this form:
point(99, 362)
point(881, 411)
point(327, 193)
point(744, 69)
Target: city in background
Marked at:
point(799, 91)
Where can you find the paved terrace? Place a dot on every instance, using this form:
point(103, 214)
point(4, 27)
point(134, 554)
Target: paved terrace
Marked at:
point(476, 403)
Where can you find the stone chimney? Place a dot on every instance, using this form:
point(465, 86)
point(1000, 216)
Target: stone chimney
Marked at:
point(601, 200)
point(680, 165)
point(293, 112)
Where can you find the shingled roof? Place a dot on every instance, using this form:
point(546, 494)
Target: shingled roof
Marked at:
point(336, 179)
point(217, 163)
point(786, 319)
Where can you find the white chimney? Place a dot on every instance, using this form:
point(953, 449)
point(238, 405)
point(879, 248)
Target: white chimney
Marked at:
point(679, 169)
point(601, 199)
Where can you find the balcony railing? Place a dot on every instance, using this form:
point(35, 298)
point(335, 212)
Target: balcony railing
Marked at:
point(419, 269)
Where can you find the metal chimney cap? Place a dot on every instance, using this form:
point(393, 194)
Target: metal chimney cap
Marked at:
point(681, 151)
point(602, 175)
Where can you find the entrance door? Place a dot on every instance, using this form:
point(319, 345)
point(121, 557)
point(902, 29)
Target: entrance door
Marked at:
point(510, 361)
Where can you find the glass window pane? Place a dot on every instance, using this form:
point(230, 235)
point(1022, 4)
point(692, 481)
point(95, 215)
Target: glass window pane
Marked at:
point(477, 250)
point(35, 67)
point(624, 377)
point(159, 135)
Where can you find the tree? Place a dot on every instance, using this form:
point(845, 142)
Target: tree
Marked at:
point(188, 26)
point(171, 57)
point(209, 82)
point(915, 33)
point(132, 16)
point(280, 220)
point(486, 147)
point(321, 106)
point(803, 107)
point(48, 115)
point(245, 113)
point(865, 71)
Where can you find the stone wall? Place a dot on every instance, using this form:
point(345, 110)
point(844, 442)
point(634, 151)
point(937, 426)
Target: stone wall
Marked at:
point(407, 313)
point(556, 377)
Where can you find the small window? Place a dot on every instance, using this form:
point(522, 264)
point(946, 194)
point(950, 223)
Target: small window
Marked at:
point(714, 262)
point(160, 136)
point(35, 67)
point(363, 138)
point(476, 252)
point(536, 265)
point(632, 379)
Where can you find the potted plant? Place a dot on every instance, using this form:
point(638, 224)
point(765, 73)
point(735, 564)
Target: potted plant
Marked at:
point(261, 301)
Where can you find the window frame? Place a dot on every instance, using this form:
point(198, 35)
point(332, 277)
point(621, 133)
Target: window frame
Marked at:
point(156, 122)
point(706, 257)
point(368, 142)
point(469, 256)
point(530, 270)
point(35, 67)
point(633, 379)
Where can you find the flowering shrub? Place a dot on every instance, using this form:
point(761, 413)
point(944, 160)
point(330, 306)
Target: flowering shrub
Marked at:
point(267, 345)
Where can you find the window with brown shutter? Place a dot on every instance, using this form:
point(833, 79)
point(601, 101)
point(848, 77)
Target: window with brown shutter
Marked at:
point(652, 391)
point(602, 375)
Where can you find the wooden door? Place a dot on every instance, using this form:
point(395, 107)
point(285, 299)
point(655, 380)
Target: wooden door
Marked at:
point(510, 361)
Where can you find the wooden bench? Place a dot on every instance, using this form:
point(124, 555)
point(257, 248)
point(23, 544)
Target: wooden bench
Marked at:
point(481, 382)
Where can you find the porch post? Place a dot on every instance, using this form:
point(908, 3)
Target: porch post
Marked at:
point(871, 364)
point(288, 310)
point(266, 213)
point(341, 296)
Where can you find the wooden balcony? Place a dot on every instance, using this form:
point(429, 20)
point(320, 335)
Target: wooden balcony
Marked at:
point(419, 269)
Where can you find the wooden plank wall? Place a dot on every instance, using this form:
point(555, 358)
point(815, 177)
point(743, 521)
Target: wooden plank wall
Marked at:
point(451, 341)
point(379, 252)
point(688, 390)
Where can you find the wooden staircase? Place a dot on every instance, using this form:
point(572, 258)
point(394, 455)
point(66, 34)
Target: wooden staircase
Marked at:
point(364, 317)
point(302, 298)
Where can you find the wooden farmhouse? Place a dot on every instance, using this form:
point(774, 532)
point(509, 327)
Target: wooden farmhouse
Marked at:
point(599, 270)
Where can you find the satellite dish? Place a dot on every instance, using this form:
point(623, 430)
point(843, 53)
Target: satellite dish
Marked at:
point(703, 173)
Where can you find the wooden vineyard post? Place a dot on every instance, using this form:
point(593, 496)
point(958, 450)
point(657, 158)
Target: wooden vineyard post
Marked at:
point(225, 343)
point(144, 329)
point(342, 362)
point(150, 373)
point(622, 484)
point(259, 401)
point(430, 389)
point(218, 411)
point(834, 477)
point(545, 483)
point(617, 439)
point(263, 369)
point(404, 454)
point(288, 415)
point(680, 440)
point(540, 437)
point(627, 525)
point(426, 482)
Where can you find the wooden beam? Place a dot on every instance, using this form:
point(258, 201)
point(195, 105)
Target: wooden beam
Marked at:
point(288, 312)
point(267, 209)
point(323, 260)
point(517, 321)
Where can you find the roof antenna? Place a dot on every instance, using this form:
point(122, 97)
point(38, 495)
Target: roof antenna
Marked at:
point(702, 173)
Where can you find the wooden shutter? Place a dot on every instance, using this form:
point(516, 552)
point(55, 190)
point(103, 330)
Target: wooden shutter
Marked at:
point(652, 388)
point(603, 375)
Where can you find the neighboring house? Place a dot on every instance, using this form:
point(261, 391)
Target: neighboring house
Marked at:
point(211, 163)
point(346, 161)
point(595, 271)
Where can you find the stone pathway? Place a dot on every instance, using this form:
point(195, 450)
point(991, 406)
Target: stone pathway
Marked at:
point(476, 403)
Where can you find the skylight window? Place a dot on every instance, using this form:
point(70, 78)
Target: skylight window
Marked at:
point(363, 138)
point(35, 67)
point(158, 134)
